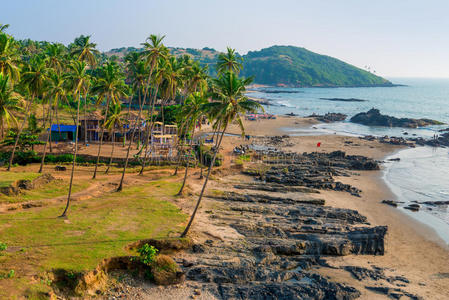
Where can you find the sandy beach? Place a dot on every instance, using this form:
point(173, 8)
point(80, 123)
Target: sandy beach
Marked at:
point(412, 249)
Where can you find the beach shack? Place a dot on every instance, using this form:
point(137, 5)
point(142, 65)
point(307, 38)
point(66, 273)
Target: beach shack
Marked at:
point(90, 126)
point(61, 132)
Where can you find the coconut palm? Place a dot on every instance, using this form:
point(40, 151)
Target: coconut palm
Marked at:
point(56, 90)
point(54, 56)
point(115, 120)
point(193, 112)
point(3, 27)
point(110, 87)
point(9, 104)
point(84, 50)
point(168, 79)
point(138, 73)
point(34, 78)
point(75, 79)
point(9, 58)
point(229, 61)
point(232, 106)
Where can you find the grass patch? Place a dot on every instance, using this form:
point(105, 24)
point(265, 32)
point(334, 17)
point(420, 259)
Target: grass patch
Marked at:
point(46, 191)
point(95, 229)
point(7, 178)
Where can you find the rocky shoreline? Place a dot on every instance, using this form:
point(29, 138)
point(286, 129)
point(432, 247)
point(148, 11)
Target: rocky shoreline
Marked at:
point(283, 233)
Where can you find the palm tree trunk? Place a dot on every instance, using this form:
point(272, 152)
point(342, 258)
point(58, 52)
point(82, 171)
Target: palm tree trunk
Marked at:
point(112, 152)
point(46, 142)
point(136, 123)
point(187, 164)
point(204, 185)
point(85, 118)
point(74, 157)
point(149, 130)
point(101, 137)
point(57, 120)
point(201, 160)
point(27, 112)
point(177, 146)
point(2, 129)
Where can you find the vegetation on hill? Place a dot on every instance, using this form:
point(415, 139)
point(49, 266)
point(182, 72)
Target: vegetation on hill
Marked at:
point(283, 65)
point(295, 66)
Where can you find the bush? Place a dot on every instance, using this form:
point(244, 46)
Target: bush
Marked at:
point(63, 158)
point(3, 246)
point(21, 157)
point(207, 155)
point(147, 254)
point(166, 271)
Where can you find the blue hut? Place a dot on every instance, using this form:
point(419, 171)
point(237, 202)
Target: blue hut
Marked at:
point(63, 132)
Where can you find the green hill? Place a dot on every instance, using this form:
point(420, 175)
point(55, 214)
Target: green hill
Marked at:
point(296, 66)
point(286, 65)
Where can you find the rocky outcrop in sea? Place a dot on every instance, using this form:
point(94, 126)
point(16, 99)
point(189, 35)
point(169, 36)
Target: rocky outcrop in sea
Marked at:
point(373, 117)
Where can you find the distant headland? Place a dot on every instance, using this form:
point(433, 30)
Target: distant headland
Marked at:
point(285, 66)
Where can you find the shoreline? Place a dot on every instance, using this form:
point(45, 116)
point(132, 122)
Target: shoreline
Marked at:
point(428, 228)
point(412, 248)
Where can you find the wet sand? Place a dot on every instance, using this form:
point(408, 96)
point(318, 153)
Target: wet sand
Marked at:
point(412, 249)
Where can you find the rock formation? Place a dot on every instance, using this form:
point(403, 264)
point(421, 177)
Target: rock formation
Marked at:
point(374, 118)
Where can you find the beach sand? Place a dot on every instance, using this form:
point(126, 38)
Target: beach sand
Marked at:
point(412, 249)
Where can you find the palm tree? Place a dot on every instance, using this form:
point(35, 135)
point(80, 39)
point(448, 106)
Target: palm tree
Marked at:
point(56, 90)
point(9, 58)
point(231, 91)
point(3, 27)
point(154, 55)
point(84, 50)
point(168, 78)
point(229, 61)
point(8, 104)
point(54, 56)
point(138, 73)
point(75, 78)
point(34, 78)
point(193, 111)
point(110, 87)
point(115, 120)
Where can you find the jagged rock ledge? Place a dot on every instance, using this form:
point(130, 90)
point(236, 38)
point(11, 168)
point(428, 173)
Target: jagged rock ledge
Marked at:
point(373, 117)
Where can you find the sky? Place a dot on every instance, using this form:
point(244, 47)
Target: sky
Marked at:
point(396, 38)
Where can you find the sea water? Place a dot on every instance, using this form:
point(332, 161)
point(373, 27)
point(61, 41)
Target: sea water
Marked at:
point(422, 174)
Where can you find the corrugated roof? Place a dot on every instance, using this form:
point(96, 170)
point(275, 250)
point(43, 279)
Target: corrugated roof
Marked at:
point(72, 128)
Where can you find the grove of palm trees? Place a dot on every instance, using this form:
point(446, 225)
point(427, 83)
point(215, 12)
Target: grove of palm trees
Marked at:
point(48, 95)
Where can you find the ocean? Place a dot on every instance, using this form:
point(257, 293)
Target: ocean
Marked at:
point(422, 174)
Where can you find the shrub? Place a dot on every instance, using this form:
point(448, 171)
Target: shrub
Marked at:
point(26, 157)
point(147, 254)
point(166, 271)
point(207, 155)
point(3, 246)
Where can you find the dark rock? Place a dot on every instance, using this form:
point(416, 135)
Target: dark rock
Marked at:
point(413, 207)
point(436, 203)
point(394, 159)
point(391, 202)
point(361, 273)
point(329, 117)
point(60, 168)
point(261, 198)
point(394, 293)
point(198, 248)
point(374, 118)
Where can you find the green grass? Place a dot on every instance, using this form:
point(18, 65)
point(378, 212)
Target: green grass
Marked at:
point(7, 178)
point(95, 229)
point(48, 191)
